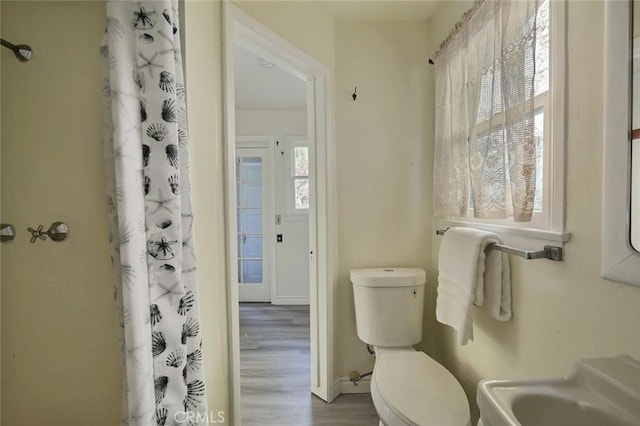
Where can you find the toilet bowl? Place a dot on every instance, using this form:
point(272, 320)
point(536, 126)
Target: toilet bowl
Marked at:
point(407, 387)
point(410, 388)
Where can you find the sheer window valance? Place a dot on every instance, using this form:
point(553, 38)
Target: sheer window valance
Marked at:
point(485, 142)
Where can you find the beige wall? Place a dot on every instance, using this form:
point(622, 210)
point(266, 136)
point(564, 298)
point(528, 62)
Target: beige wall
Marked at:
point(636, 18)
point(0, 213)
point(60, 361)
point(562, 311)
point(203, 47)
point(383, 166)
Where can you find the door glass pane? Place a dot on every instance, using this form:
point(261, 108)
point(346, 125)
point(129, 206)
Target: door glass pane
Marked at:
point(251, 220)
point(252, 246)
point(251, 195)
point(251, 170)
point(251, 271)
point(250, 216)
point(249, 246)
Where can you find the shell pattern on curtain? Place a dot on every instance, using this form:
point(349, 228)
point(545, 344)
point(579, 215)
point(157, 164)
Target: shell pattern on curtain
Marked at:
point(149, 205)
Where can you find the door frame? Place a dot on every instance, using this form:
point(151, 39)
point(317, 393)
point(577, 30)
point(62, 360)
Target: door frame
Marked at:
point(240, 27)
point(268, 210)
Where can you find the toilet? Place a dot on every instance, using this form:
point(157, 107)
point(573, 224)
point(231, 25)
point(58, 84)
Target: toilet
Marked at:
point(407, 386)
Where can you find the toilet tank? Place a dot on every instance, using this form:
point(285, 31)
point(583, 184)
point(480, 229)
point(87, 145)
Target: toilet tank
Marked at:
point(389, 303)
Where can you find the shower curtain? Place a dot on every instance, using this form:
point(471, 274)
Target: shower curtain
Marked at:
point(146, 157)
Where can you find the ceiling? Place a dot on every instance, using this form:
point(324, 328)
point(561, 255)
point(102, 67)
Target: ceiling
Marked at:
point(257, 87)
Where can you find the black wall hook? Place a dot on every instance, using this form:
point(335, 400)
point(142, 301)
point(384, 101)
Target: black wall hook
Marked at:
point(355, 94)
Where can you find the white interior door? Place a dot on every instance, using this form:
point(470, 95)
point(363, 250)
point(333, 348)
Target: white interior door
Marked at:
point(292, 204)
point(253, 211)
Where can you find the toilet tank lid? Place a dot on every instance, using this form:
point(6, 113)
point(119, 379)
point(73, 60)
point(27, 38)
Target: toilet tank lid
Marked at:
point(388, 277)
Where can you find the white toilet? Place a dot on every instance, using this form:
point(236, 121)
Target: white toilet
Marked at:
point(407, 386)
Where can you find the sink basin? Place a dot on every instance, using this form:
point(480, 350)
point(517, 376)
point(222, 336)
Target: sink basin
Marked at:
point(539, 409)
point(598, 392)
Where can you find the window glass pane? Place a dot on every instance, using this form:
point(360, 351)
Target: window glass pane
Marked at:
point(541, 81)
point(301, 161)
point(539, 132)
point(490, 171)
point(301, 187)
point(490, 99)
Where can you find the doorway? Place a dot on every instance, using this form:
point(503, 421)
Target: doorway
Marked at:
point(242, 30)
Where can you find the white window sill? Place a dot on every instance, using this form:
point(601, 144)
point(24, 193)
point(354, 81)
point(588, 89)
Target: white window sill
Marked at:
point(522, 238)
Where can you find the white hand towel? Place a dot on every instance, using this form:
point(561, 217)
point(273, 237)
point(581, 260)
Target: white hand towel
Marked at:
point(467, 277)
point(497, 285)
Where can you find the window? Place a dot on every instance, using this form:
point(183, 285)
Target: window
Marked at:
point(297, 184)
point(300, 177)
point(478, 171)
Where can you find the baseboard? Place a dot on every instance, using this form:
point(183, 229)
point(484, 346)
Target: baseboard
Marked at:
point(343, 385)
point(290, 300)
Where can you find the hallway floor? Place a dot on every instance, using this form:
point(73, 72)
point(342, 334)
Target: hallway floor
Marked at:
point(274, 372)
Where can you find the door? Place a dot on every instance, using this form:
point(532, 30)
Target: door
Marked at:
point(292, 205)
point(253, 210)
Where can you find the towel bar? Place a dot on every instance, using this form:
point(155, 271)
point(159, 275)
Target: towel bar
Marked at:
point(548, 252)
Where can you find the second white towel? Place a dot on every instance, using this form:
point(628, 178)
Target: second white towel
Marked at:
point(468, 277)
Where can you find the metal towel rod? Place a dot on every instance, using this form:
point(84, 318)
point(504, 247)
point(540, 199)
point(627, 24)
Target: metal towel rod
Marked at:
point(548, 252)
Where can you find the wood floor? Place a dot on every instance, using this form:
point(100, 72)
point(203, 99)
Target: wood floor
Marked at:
point(275, 373)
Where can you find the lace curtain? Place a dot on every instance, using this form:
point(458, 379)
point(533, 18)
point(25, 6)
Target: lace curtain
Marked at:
point(485, 150)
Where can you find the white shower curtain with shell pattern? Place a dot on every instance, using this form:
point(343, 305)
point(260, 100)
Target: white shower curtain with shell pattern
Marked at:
point(149, 204)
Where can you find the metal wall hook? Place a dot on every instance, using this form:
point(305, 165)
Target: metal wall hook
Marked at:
point(7, 233)
point(58, 232)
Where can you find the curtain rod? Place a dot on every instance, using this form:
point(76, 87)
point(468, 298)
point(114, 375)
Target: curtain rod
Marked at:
point(456, 29)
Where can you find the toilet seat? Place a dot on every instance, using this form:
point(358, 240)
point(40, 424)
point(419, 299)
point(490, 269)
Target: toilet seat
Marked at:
point(416, 390)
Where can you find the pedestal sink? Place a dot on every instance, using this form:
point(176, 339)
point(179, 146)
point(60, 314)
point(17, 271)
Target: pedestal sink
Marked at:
point(598, 392)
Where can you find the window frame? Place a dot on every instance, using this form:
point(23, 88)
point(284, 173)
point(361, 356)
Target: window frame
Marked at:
point(291, 212)
point(548, 225)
